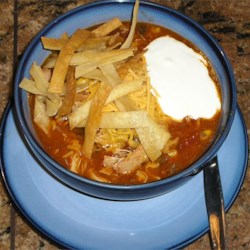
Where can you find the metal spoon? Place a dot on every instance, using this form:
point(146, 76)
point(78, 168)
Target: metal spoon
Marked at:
point(215, 205)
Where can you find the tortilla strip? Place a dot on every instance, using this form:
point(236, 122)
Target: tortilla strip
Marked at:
point(30, 86)
point(91, 59)
point(50, 61)
point(153, 139)
point(130, 37)
point(63, 60)
point(124, 103)
point(70, 93)
point(81, 69)
point(87, 70)
point(37, 74)
point(52, 106)
point(53, 43)
point(114, 46)
point(41, 81)
point(53, 101)
point(96, 56)
point(96, 74)
point(64, 35)
point(80, 87)
point(81, 113)
point(94, 43)
point(123, 120)
point(109, 71)
point(107, 27)
point(115, 39)
point(40, 117)
point(113, 77)
point(95, 114)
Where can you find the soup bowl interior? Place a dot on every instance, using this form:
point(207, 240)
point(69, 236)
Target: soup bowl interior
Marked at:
point(97, 13)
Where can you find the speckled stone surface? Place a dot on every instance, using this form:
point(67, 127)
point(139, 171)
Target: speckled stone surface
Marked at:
point(228, 21)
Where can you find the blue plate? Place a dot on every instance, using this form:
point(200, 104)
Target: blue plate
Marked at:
point(77, 221)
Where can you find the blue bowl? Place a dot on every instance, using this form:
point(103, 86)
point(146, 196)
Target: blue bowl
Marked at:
point(99, 12)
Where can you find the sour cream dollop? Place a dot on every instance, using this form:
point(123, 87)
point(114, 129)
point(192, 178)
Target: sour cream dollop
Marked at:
point(181, 77)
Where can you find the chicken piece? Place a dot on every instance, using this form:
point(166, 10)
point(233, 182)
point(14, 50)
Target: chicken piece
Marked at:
point(126, 164)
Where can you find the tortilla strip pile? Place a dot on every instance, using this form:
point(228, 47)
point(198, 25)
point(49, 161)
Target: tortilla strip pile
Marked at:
point(95, 114)
point(61, 67)
point(87, 56)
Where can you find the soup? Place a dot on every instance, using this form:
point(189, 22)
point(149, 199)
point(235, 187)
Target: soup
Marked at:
point(105, 122)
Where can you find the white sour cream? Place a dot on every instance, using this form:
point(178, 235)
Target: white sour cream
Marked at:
point(181, 78)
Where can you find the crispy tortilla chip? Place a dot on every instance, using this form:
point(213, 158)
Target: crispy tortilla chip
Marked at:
point(53, 101)
point(123, 120)
point(114, 46)
point(96, 74)
point(70, 93)
point(79, 116)
point(107, 27)
point(81, 69)
point(97, 56)
point(130, 37)
point(95, 113)
point(91, 59)
point(50, 61)
point(115, 39)
point(89, 70)
point(63, 60)
point(125, 88)
point(153, 139)
point(53, 43)
point(64, 35)
point(124, 103)
point(81, 113)
point(40, 117)
point(30, 86)
point(109, 71)
point(93, 43)
point(40, 80)
point(52, 106)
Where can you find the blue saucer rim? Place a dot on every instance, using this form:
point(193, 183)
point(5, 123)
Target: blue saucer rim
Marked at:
point(36, 226)
point(11, 193)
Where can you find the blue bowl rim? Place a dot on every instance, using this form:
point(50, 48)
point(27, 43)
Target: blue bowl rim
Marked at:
point(195, 167)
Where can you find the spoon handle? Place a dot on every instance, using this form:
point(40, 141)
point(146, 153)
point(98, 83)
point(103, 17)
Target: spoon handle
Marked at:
point(215, 205)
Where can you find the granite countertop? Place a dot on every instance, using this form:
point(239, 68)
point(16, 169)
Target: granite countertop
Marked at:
point(227, 20)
